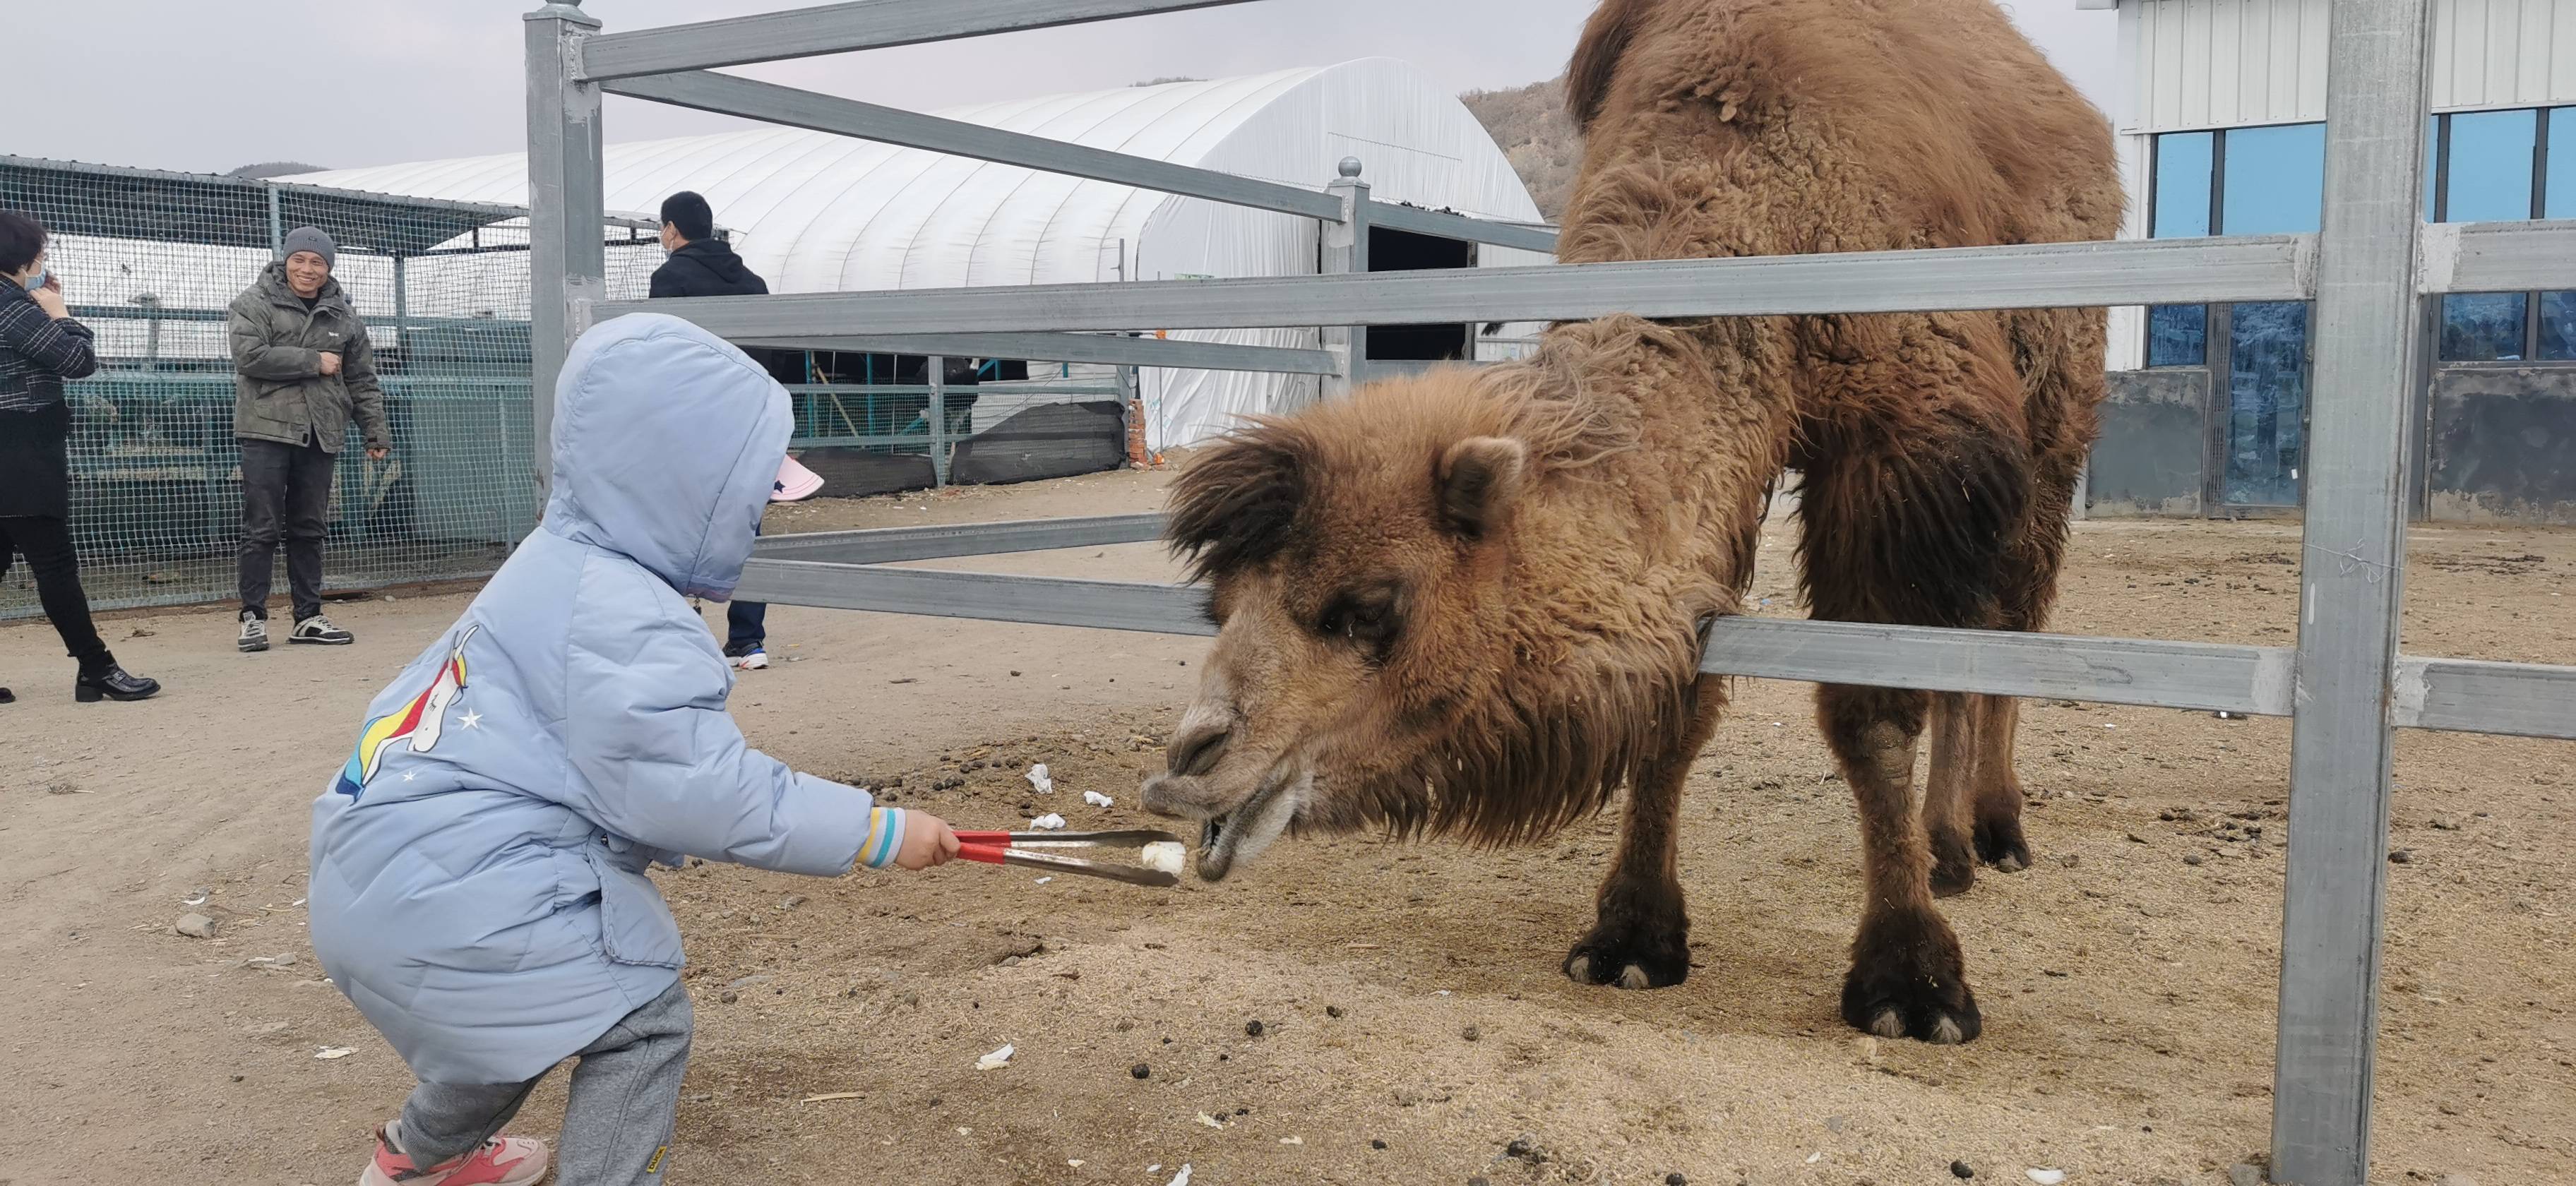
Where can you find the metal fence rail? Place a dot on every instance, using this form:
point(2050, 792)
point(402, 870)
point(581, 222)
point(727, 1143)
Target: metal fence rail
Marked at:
point(2345, 686)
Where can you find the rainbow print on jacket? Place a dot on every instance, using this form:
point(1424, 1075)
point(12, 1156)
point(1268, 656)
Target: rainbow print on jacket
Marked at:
point(419, 720)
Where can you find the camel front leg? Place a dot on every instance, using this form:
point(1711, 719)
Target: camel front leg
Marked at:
point(1641, 936)
point(1908, 978)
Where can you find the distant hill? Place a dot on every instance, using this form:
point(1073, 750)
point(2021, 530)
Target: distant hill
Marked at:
point(273, 169)
point(1533, 129)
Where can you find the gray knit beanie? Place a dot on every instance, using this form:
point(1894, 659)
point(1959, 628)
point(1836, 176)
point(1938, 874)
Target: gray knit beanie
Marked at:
point(305, 238)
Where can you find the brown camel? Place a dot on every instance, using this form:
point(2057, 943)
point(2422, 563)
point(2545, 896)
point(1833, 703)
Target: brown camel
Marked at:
point(1471, 603)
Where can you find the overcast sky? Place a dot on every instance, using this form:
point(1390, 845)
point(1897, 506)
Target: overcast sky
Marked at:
point(206, 86)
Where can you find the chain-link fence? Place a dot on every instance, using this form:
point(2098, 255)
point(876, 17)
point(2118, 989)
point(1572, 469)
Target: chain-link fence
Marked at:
point(149, 261)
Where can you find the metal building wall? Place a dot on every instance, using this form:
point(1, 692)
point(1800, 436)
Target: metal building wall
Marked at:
point(2188, 64)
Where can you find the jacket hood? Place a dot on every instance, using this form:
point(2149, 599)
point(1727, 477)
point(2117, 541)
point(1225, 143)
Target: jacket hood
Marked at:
point(668, 442)
point(717, 257)
point(273, 285)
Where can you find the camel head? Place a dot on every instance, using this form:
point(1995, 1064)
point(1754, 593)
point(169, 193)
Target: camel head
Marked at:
point(1429, 618)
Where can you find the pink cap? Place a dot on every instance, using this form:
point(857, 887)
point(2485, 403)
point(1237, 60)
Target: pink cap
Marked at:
point(795, 482)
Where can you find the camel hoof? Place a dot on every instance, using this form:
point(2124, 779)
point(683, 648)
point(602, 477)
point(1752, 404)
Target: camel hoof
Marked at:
point(1632, 961)
point(1906, 981)
point(1954, 867)
point(2000, 844)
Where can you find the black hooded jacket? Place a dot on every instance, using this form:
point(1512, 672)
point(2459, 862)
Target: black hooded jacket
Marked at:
point(708, 267)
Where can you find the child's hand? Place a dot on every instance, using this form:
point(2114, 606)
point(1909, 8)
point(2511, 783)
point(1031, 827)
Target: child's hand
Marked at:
point(927, 841)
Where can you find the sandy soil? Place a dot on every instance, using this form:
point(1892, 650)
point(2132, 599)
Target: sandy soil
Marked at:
point(2128, 994)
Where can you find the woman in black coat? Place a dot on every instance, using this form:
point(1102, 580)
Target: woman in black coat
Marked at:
point(40, 346)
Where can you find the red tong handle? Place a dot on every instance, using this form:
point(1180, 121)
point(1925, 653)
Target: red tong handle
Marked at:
point(997, 839)
point(990, 854)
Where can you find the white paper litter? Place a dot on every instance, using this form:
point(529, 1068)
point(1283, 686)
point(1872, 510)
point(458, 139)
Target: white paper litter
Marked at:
point(1292, 1140)
point(1180, 1179)
point(1048, 822)
point(997, 1059)
point(1097, 799)
point(1044, 880)
point(1166, 855)
point(2045, 1177)
point(1038, 778)
point(1210, 1121)
point(334, 1052)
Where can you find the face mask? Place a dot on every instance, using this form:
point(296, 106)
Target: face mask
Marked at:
point(34, 280)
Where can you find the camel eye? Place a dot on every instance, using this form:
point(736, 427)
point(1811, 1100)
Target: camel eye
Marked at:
point(1364, 617)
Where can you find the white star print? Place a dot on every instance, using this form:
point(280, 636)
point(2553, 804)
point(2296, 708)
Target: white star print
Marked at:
point(471, 720)
point(409, 775)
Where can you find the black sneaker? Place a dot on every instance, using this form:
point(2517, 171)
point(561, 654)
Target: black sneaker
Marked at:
point(113, 684)
point(319, 631)
point(254, 633)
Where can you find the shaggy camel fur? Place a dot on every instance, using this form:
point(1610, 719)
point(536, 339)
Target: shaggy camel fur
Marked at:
point(1471, 603)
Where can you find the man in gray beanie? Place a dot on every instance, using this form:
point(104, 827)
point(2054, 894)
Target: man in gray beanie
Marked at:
point(303, 368)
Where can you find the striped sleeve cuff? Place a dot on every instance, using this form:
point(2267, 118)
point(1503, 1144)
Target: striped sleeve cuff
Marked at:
point(885, 837)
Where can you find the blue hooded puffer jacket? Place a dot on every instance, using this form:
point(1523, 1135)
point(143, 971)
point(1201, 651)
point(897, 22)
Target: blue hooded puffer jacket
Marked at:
point(478, 866)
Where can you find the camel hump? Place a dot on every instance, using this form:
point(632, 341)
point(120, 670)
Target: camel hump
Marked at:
point(1606, 38)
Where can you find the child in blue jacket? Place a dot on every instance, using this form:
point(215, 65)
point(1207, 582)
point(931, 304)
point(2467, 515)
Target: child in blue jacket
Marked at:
point(478, 866)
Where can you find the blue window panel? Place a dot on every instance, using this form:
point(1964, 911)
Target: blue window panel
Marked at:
point(2432, 166)
point(2182, 185)
point(2177, 335)
point(2561, 183)
point(2267, 402)
point(2276, 180)
point(2483, 326)
point(2490, 178)
point(2558, 326)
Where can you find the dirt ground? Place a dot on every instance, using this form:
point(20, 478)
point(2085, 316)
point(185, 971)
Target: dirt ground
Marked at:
point(1408, 994)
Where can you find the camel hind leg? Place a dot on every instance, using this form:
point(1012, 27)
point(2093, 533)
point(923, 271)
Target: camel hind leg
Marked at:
point(2059, 355)
point(1917, 481)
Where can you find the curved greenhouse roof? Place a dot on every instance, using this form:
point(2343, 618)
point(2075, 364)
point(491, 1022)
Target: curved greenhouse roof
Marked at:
point(816, 212)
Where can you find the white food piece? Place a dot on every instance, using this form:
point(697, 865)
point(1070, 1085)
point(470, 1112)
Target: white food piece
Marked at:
point(1049, 822)
point(1038, 778)
point(1044, 880)
point(1182, 1178)
point(997, 1059)
point(333, 1052)
point(2045, 1177)
point(1167, 856)
point(1097, 799)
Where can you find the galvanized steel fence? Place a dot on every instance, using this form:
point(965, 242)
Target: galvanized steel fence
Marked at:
point(2368, 271)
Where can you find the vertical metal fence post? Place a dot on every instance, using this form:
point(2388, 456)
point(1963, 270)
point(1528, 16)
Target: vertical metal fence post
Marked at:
point(402, 303)
point(2350, 591)
point(937, 372)
point(276, 224)
point(1345, 246)
point(567, 209)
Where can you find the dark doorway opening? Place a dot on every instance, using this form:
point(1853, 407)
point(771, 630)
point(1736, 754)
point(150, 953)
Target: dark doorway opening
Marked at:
point(1404, 251)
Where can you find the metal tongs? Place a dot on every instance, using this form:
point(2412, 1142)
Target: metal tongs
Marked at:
point(1011, 848)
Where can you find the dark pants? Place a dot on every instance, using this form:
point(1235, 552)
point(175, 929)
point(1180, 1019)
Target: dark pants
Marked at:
point(286, 494)
point(746, 625)
point(47, 545)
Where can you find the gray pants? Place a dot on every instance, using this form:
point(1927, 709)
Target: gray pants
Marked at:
point(617, 1123)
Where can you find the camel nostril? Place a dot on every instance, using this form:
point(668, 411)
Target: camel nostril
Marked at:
point(1195, 752)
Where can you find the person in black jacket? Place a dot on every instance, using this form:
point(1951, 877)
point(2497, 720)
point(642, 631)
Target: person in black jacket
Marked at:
point(40, 347)
point(702, 265)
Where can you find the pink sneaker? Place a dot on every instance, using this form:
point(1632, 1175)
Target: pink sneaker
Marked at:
point(502, 1161)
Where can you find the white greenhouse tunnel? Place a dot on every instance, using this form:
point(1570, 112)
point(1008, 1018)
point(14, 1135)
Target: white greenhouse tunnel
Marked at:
point(816, 212)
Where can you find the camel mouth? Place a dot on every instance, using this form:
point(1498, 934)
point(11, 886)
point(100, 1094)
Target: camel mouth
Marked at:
point(1234, 836)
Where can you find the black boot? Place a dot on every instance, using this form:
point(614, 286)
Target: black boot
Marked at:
point(112, 683)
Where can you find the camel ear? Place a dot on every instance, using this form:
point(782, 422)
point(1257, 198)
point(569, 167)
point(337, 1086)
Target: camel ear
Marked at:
point(1478, 478)
point(1237, 503)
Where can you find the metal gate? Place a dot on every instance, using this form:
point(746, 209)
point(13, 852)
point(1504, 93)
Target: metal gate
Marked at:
point(2346, 686)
